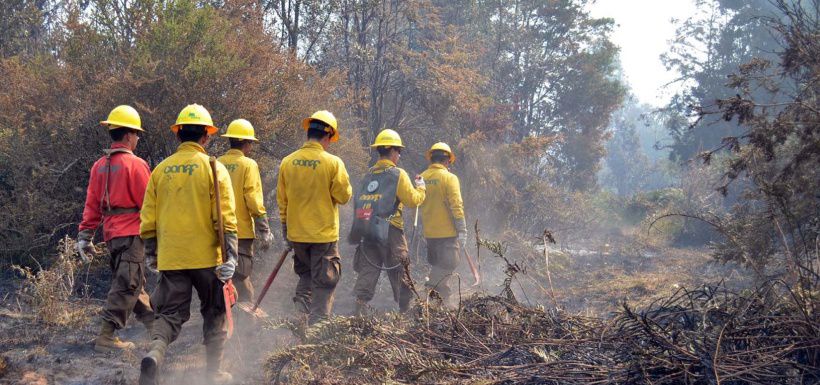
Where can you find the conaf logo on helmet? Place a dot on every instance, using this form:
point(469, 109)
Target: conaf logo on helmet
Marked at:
point(192, 115)
point(181, 169)
point(306, 163)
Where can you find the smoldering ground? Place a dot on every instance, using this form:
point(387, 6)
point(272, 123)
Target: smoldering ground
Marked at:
point(595, 264)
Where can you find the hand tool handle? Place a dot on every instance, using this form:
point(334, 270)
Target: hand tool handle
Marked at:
point(470, 262)
point(228, 291)
point(413, 237)
point(271, 277)
point(220, 229)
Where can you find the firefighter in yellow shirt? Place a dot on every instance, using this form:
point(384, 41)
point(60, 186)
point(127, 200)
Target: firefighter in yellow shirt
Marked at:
point(312, 184)
point(442, 216)
point(178, 226)
point(251, 216)
point(378, 226)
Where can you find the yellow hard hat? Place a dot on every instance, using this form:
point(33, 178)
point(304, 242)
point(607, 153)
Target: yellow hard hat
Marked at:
point(387, 138)
point(325, 117)
point(442, 147)
point(195, 114)
point(123, 116)
point(240, 129)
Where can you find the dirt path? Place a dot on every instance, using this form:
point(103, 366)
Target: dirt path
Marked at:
point(34, 353)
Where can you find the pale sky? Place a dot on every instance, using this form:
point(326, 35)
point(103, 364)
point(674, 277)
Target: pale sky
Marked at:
point(643, 30)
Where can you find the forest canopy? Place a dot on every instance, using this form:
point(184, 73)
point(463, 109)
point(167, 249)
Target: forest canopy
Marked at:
point(537, 78)
point(529, 93)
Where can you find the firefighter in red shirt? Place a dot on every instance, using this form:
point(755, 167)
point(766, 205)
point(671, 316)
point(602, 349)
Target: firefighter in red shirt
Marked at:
point(116, 188)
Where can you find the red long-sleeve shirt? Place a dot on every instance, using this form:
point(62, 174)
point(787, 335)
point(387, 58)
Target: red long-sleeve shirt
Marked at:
point(126, 189)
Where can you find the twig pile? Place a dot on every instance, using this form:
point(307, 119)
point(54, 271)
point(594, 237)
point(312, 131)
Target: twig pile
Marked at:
point(705, 336)
point(712, 336)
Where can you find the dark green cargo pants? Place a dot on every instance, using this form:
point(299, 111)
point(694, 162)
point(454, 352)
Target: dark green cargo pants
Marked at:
point(172, 304)
point(319, 270)
point(127, 293)
point(244, 269)
point(442, 254)
point(372, 258)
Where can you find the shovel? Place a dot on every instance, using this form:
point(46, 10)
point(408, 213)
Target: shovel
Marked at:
point(254, 309)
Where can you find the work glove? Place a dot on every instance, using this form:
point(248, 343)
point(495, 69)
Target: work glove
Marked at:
point(263, 235)
point(285, 242)
point(225, 271)
point(461, 230)
point(150, 245)
point(84, 245)
point(420, 182)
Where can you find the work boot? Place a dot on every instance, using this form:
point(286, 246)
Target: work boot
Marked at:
point(404, 305)
point(301, 304)
point(313, 319)
point(315, 328)
point(221, 377)
point(216, 376)
point(149, 367)
point(361, 308)
point(107, 342)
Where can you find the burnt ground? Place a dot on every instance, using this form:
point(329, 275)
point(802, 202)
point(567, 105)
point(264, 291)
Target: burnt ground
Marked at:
point(36, 352)
point(33, 351)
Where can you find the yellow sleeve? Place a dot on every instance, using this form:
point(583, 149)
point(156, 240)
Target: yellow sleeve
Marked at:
point(453, 191)
point(226, 199)
point(340, 188)
point(254, 199)
point(408, 195)
point(281, 194)
point(148, 212)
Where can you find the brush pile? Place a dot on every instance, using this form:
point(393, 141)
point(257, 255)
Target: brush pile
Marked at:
point(704, 336)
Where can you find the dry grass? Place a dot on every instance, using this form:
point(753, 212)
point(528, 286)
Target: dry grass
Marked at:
point(594, 279)
point(710, 335)
point(703, 336)
point(53, 293)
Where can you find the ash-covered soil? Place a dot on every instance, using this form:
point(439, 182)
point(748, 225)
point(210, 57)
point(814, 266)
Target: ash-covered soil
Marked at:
point(39, 352)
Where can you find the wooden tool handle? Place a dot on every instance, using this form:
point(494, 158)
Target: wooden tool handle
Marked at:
point(220, 229)
point(470, 262)
point(270, 278)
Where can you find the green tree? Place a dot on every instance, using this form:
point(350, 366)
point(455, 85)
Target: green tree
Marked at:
point(707, 49)
point(627, 166)
point(405, 69)
point(553, 69)
point(301, 25)
point(25, 25)
point(776, 154)
point(181, 53)
point(634, 162)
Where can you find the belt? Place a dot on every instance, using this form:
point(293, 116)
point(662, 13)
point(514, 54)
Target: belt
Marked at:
point(121, 210)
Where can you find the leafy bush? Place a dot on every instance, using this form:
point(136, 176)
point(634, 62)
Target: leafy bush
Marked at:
point(180, 54)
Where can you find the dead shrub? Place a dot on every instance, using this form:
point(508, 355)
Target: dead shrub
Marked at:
point(51, 292)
